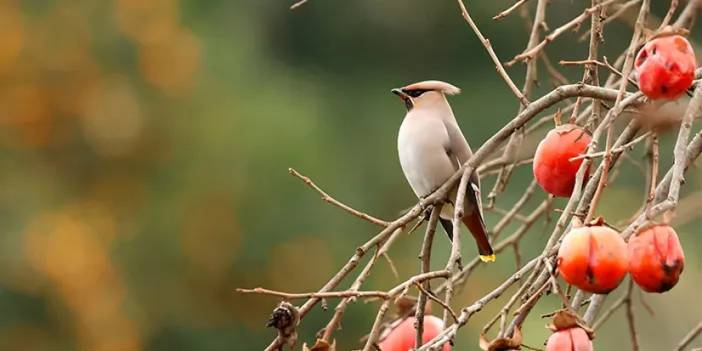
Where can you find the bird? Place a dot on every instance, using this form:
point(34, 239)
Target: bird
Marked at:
point(431, 148)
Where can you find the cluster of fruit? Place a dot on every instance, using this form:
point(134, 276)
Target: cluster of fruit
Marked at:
point(665, 68)
point(595, 258)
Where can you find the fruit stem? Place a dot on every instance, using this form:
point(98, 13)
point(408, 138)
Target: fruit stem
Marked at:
point(557, 118)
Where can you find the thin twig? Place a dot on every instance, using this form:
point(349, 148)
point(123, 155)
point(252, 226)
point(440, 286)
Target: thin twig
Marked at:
point(454, 260)
point(509, 155)
point(321, 295)
point(512, 213)
point(669, 14)
point(605, 64)
point(618, 106)
point(615, 15)
point(630, 317)
point(375, 331)
point(616, 150)
point(331, 200)
point(425, 257)
point(557, 77)
point(450, 332)
point(575, 22)
point(508, 11)
point(609, 312)
point(687, 339)
point(503, 212)
point(297, 4)
point(438, 300)
point(498, 64)
point(340, 309)
point(689, 15)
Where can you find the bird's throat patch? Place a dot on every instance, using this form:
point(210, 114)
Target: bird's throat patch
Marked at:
point(408, 104)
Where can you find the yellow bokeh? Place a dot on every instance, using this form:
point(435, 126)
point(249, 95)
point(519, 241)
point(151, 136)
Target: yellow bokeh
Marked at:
point(12, 38)
point(147, 21)
point(289, 263)
point(73, 257)
point(210, 236)
point(171, 64)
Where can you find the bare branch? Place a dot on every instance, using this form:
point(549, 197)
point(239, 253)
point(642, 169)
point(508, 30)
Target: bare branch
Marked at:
point(608, 313)
point(511, 9)
point(628, 146)
point(320, 295)
point(689, 15)
point(618, 106)
point(498, 64)
point(334, 202)
point(575, 22)
point(669, 14)
point(687, 339)
point(449, 333)
point(530, 80)
point(297, 4)
point(425, 257)
point(437, 300)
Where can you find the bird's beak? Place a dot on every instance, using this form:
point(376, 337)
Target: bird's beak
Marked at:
point(400, 93)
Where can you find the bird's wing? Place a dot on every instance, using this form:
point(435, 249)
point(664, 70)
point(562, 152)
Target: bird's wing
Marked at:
point(459, 150)
point(457, 144)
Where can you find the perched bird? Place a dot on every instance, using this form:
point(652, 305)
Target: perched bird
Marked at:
point(432, 147)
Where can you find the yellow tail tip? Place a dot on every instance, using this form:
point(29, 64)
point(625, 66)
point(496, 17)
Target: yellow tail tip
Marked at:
point(488, 258)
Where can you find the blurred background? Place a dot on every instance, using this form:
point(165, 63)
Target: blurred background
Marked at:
point(144, 148)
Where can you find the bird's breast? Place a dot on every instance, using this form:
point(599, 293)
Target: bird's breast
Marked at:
point(421, 149)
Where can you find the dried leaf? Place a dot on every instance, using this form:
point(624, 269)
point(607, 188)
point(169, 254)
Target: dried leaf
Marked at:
point(597, 222)
point(285, 318)
point(320, 345)
point(565, 319)
point(404, 306)
point(502, 344)
point(664, 32)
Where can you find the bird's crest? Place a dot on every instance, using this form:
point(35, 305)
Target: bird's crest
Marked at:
point(435, 85)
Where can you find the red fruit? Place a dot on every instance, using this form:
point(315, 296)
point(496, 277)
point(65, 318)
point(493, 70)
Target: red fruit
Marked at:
point(571, 339)
point(593, 258)
point(656, 258)
point(402, 338)
point(553, 168)
point(666, 67)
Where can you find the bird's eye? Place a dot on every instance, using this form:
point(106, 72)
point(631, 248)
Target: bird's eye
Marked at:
point(415, 93)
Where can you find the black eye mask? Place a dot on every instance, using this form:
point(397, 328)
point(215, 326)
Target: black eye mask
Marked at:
point(415, 92)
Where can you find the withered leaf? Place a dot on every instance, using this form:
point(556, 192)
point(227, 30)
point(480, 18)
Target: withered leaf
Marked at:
point(320, 345)
point(565, 319)
point(502, 344)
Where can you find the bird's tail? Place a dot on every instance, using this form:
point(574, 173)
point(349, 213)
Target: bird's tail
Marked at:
point(476, 226)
